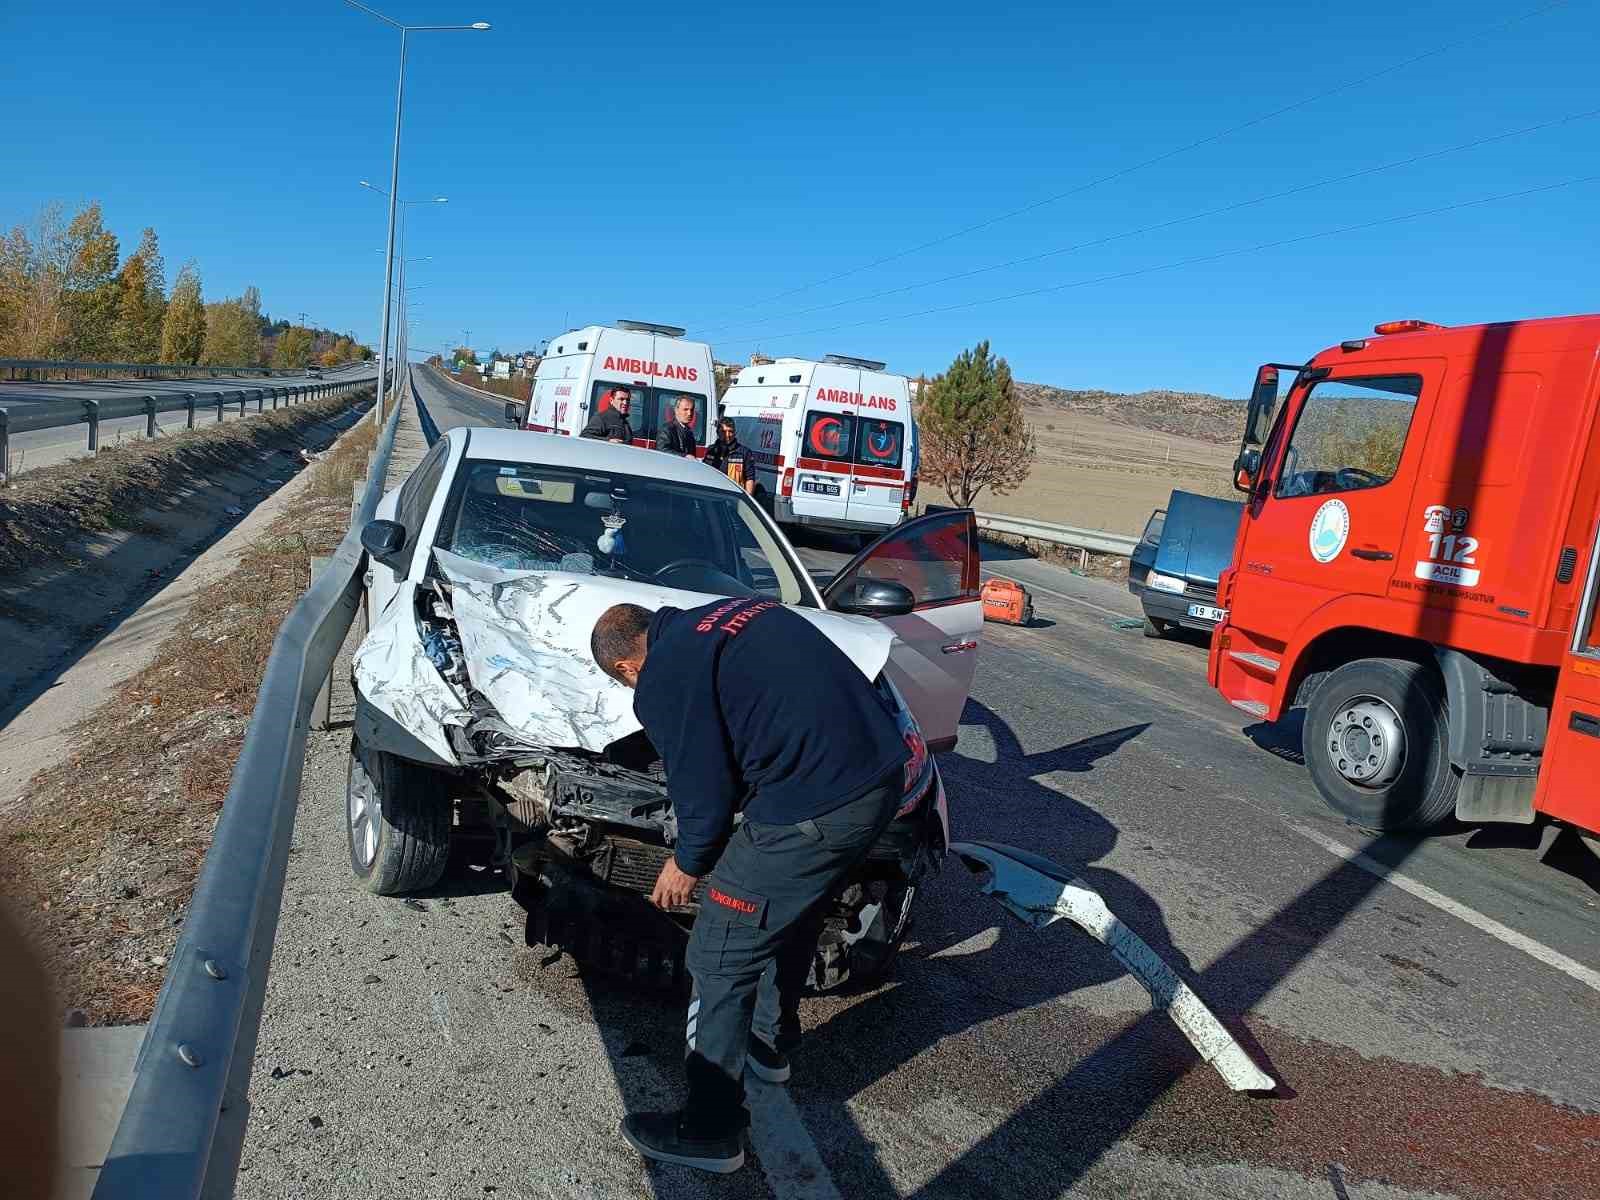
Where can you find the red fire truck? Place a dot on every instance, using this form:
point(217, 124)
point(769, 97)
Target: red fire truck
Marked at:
point(1417, 568)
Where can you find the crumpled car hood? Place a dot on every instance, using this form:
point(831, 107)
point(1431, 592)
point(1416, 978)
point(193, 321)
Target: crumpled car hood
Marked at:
point(525, 640)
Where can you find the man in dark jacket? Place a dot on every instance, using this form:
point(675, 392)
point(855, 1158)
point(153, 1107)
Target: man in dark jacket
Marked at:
point(676, 435)
point(610, 424)
point(727, 455)
point(752, 709)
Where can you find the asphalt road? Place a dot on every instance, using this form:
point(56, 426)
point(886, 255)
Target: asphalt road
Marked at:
point(1426, 1005)
point(42, 447)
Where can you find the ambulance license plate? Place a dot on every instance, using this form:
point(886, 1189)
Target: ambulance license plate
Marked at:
point(819, 489)
point(1206, 612)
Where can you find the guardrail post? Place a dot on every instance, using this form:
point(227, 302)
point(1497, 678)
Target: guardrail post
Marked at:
point(5, 444)
point(261, 399)
point(149, 416)
point(242, 398)
point(91, 414)
point(188, 404)
point(222, 398)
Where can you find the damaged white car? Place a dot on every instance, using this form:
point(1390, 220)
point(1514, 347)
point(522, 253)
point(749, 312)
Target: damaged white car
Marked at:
point(482, 718)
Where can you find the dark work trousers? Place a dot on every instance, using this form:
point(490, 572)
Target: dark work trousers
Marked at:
point(752, 942)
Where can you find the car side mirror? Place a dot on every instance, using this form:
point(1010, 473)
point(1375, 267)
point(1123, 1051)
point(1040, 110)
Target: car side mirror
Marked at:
point(383, 541)
point(876, 598)
point(513, 413)
point(1245, 468)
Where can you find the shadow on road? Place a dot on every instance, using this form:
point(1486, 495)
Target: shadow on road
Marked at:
point(1281, 739)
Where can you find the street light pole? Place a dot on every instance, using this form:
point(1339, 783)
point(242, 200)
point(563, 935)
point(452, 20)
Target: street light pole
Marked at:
point(394, 178)
point(388, 249)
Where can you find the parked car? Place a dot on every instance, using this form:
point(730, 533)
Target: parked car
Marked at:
point(1174, 568)
point(481, 715)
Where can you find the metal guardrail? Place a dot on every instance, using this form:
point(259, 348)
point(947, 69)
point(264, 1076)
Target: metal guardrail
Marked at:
point(91, 411)
point(182, 1131)
point(50, 368)
point(1096, 541)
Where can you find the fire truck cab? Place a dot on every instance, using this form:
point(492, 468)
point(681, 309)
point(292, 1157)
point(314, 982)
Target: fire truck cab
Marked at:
point(581, 369)
point(833, 442)
point(1417, 568)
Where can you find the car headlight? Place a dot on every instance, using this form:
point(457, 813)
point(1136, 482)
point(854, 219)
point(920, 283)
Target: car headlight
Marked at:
point(1166, 583)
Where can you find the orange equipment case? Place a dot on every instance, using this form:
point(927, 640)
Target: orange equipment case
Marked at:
point(1007, 602)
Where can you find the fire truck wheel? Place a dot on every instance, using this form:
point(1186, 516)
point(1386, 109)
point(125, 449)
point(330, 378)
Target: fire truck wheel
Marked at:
point(397, 822)
point(1375, 743)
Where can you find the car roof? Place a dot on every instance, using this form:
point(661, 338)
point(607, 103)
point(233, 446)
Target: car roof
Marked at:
point(517, 445)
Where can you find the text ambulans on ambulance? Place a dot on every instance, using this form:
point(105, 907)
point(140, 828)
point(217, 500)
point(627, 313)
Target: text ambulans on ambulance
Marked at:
point(581, 369)
point(833, 442)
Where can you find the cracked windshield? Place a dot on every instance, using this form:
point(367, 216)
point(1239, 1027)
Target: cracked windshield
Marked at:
point(527, 517)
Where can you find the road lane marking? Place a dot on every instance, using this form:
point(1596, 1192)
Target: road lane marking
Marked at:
point(789, 1158)
point(1588, 976)
point(1110, 612)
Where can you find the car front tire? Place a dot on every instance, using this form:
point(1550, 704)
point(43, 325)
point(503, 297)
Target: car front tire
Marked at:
point(397, 822)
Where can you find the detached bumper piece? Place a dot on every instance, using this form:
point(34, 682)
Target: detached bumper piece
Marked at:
point(1039, 892)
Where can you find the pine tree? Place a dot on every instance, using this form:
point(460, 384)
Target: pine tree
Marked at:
point(972, 432)
point(183, 327)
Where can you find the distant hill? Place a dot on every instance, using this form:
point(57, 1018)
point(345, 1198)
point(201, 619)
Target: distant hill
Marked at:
point(1195, 414)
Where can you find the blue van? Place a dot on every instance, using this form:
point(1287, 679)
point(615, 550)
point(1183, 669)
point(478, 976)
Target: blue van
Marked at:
point(1174, 568)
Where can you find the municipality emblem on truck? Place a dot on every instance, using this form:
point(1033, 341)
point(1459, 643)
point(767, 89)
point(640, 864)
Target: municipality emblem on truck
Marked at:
point(1330, 528)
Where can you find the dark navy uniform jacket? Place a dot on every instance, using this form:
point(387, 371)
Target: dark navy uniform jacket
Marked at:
point(752, 708)
point(608, 424)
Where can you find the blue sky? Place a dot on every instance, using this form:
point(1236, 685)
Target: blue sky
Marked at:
point(690, 163)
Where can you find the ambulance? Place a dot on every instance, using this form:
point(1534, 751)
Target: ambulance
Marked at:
point(833, 443)
point(582, 368)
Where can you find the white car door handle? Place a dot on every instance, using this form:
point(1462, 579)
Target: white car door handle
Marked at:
point(959, 647)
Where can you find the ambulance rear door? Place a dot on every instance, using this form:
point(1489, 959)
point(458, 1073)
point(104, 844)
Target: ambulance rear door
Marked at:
point(759, 410)
point(678, 368)
point(881, 459)
point(556, 389)
point(824, 466)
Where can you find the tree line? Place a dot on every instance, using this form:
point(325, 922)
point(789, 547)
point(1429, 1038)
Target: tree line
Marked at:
point(67, 292)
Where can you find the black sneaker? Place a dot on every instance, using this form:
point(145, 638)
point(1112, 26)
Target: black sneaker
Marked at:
point(664, 1138)
point(767, 1063)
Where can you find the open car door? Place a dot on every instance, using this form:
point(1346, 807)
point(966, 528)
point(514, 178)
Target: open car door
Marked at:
point(936, 644)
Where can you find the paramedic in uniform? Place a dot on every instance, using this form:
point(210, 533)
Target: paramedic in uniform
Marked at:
point(676, 435)
point(752, 709)
point(727, 455)
point(610, 424)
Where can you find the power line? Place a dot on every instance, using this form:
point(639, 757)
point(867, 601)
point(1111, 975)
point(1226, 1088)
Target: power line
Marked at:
point(1298, 189)
point(1166, 155)
point(1259, 247)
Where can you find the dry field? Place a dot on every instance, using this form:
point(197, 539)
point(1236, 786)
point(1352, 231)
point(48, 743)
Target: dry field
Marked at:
point(1099, 474)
